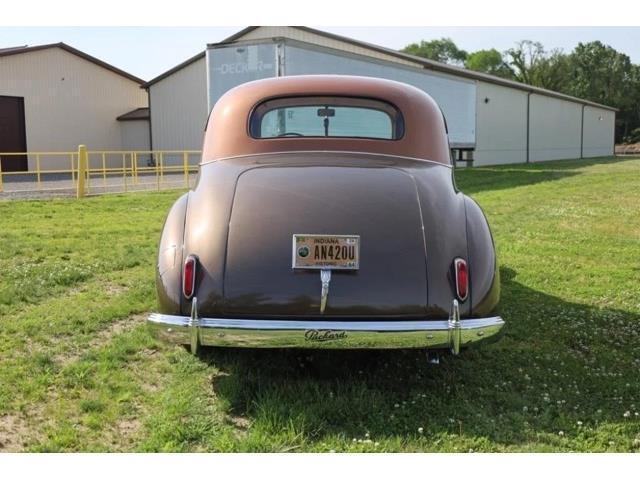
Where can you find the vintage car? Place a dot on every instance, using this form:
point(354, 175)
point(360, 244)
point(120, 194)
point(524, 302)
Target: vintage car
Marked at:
point(326, 215)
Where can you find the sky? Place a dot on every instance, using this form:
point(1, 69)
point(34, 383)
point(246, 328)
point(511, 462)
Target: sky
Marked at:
point(149, 51)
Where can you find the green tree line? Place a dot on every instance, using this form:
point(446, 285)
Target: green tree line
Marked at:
point(593, 71)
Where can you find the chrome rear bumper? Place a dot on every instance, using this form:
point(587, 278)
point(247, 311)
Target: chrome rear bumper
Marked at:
point(452, 334)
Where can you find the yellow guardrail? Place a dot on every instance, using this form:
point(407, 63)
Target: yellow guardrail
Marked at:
point(100, 171)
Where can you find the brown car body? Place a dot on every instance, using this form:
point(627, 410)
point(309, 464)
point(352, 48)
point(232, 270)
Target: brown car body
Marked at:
point(399, 196)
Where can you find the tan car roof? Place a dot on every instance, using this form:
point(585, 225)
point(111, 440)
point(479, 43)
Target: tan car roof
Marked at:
point(424, 130)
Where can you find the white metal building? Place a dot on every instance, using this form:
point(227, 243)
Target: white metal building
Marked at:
point(54, 97)
point(499, 120)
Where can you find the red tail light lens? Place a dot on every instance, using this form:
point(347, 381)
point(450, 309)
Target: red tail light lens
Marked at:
point(462, 278)
point(189, 276)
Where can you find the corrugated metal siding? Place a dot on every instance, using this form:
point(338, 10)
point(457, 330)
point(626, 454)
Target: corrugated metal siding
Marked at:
point(179, 109)
point(68, 101)
point(598, 132)
point(309, 37)
point(555, 129)
point(501, 125)
point(135, 135)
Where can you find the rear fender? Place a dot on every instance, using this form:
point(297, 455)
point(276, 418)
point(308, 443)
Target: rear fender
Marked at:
point(443, 213)
point(483, 263)
point(170, 257)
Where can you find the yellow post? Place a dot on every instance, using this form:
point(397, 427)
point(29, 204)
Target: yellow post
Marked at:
point(124, 170)
point(73, 172)
point(82, 169)
point(38, 170)
point(104, 171)
point(134, 159)
point(158, 173)
point(88, 170)
point(185, 164)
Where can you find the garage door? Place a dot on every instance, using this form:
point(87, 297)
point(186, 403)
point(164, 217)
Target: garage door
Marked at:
point(12, 134)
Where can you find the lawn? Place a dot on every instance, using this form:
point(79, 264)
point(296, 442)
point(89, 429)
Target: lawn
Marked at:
point(79, 372)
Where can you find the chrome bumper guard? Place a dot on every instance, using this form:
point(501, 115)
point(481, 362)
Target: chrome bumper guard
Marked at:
point(452, 334)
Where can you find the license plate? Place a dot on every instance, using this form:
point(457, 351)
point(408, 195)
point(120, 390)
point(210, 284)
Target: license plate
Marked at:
point(335, 252)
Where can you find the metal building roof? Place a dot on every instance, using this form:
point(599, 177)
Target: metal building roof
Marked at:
point(141, 113)
point(5, 52)
point(424, 62)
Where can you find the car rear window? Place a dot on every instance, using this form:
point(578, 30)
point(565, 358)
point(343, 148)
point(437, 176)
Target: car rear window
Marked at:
point(337, 117)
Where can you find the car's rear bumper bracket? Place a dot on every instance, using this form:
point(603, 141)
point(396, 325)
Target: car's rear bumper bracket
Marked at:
point(194, 327)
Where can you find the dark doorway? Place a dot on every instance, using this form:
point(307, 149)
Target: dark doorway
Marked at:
point(13, 136)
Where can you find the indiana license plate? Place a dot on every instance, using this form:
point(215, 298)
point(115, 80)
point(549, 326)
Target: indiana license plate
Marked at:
point(335, 252)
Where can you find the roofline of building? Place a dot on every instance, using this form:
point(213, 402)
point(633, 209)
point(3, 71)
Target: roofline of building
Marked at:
point(173, 70)
point(74, 51)
point(430, 65)
point(195, 58)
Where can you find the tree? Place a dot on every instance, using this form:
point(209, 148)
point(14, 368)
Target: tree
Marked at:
point(489, 61)
point(599, 73)
point(593, 71)
point(443, 50)
point(533, 65)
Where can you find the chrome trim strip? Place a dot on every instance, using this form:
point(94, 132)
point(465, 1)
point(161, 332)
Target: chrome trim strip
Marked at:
point(232, 157)
point(448, 334)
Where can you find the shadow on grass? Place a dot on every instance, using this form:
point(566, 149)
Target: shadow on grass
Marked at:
point(501, 177)
point(557, 364)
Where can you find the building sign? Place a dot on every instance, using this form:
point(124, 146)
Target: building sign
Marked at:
point(234, 65)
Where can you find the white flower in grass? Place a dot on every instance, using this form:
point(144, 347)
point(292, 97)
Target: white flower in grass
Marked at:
point(420, 430)
point(627, 414)
point(561, 433)
point(579, 423)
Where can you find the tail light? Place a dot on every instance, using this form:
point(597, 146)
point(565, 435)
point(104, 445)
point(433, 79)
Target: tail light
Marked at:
point(189, 276)
point(462, 278)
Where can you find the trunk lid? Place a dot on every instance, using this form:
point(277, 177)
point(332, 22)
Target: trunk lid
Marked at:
point(272, 203)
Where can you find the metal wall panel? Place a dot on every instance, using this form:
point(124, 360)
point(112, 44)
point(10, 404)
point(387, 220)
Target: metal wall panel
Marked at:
point(598, 132)
point(502, 125)
point(555, 129)
point(179, 109)
point(135, 135)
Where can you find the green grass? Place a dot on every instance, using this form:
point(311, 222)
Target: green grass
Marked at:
point(79, 372)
